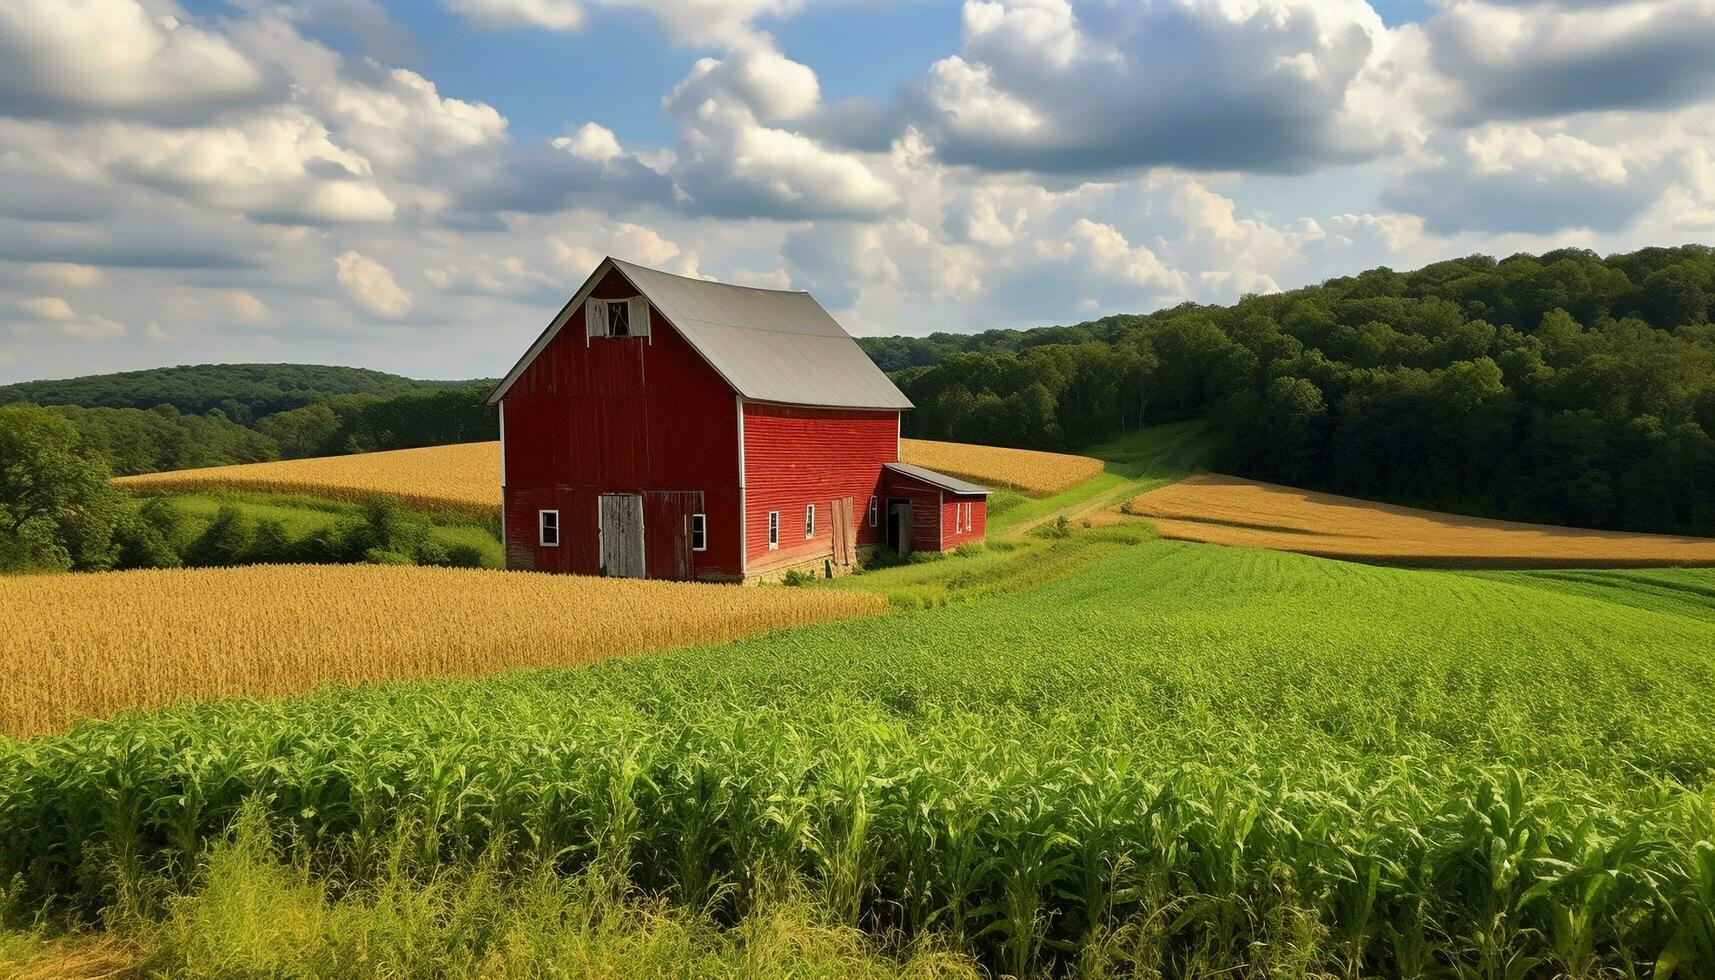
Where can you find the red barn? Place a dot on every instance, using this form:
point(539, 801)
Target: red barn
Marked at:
point(667, 427)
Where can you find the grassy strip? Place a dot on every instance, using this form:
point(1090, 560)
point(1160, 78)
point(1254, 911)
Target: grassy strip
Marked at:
point(1135, 463)
point(1025, 548)
point(998, 567)
point(252, 911)
point(302, 515)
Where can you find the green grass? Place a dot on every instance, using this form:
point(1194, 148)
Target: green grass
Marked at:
point(1176, 758)
point(1135, 463)
point(1014, 559)
point(998, 567)
point(303, 515)
point(252, 911)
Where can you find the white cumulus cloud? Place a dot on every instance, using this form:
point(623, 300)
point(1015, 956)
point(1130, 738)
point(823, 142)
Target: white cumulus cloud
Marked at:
point(370, 284)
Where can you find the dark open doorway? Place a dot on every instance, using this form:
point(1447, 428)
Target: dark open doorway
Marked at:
point(899, 525)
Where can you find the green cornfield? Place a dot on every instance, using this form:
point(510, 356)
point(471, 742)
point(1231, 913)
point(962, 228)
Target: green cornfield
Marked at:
point(1181, 760)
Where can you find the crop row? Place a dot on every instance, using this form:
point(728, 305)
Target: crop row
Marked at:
point(459, 480)
point(464, 479)
point(79, 646)
point(1029, 471)
point(1184, 759)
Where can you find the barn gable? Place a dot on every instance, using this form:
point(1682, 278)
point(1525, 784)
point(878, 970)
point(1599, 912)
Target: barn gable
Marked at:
point(770, 345)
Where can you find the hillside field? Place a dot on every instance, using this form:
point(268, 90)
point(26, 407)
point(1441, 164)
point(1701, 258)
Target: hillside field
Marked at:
point(1229, 510)
point(461, 479)
point(464, 479)
point(1313, 766)
point(1081, 749)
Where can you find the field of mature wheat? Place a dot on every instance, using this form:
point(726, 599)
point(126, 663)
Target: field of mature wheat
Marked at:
point(465, 479)
point(462, 479)
point(91, 645)
point(1182, 760)
point(1028, 471)
point(1229, 510)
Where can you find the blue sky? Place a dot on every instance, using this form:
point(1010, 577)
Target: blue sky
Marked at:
point(417, 186)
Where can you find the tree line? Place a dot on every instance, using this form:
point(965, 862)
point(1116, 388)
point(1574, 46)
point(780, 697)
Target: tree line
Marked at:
point(137, 440)
point(240, 392)
point(1564, 387)
point(60, 512)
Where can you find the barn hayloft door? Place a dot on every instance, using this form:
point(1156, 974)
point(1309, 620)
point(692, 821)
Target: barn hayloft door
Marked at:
point(622, 535)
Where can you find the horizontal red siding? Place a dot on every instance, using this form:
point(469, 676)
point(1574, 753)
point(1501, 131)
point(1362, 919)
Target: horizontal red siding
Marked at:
point(954, 520)
point(799, 456)
point(935, 513)
point(925, 511)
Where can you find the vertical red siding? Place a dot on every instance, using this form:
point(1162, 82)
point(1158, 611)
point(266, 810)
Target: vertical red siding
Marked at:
point(798, 456)
point(619, 415)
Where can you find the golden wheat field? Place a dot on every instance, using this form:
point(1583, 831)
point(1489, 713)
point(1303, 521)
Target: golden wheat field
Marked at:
point(1228, 510)
point(1029, 471)
point(465, 479)
point(88, 645)
point(458, 479)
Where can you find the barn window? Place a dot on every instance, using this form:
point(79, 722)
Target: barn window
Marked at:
point(809, 520)
point(874, 511)
point(970, 510)
point(617, 317)
point(699, 532)
point(548, 528)
point(773, 530)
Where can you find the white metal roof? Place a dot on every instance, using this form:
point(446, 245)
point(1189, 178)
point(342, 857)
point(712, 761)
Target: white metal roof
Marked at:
point(935, 479)
point(771, 345)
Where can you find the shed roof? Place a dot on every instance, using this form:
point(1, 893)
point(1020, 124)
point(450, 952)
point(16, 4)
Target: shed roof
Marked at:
point(933, 478)
point(771, 345)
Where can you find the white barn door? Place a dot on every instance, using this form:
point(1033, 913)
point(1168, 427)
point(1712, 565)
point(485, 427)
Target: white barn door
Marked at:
point(622, 535)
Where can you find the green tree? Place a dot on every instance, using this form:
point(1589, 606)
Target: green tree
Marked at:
point(228, 540)
point(141, 544)
point(57, 509)
point(309, 431)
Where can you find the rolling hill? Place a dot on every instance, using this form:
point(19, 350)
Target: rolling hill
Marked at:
point(255, 389)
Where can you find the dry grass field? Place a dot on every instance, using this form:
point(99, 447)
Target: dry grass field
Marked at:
point(1031, 472)
point(88, 645)
point(459, 479)
point(1228, 510)
point(465, 479)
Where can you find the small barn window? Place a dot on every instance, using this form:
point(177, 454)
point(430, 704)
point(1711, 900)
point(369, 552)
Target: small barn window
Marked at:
point(617, 317)
point(699, 532)
point(874, 511)
point(773, 530)
point(809, 520)
point(970, 511)
point(548, 528)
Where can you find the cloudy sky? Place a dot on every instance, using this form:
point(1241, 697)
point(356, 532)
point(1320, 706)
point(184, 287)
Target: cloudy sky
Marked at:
point(418, 186)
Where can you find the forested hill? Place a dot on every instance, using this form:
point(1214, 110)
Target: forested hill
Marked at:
point(1565, 387)
point(242, 392)
point(216, 414)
